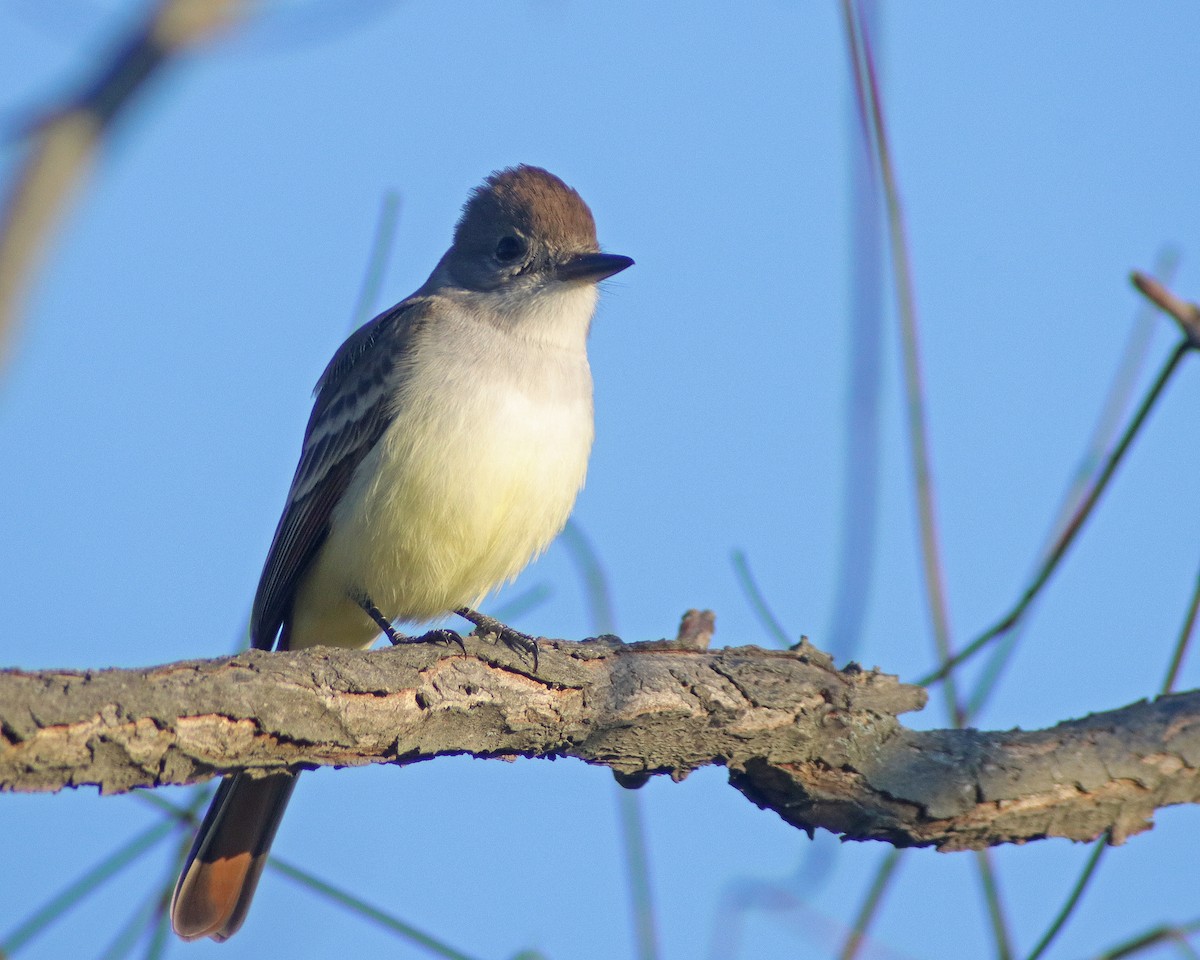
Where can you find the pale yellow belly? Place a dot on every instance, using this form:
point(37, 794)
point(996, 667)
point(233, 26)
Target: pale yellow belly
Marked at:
point(453, 509)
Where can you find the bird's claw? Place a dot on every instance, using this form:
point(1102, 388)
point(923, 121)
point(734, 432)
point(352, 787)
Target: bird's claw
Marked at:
point(515, 640)
point(446, 637)
point(438, 636)
point(522, 643)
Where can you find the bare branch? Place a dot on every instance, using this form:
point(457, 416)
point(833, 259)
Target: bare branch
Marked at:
point(821, 747)
point(1186, 314)
point(63, 144)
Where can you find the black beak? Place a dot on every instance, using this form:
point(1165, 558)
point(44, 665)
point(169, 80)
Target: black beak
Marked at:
point(593, 267)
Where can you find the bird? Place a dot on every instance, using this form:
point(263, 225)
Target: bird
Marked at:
point(448, 441)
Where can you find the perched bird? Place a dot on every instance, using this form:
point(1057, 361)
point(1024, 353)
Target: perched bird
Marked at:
point(448, 441)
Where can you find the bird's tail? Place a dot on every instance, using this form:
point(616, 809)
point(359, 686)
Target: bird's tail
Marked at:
point(221, 871)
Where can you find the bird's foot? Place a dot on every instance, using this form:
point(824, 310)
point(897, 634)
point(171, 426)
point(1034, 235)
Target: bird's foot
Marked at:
point(395, 637)
point(440, 636)
point(445, 637)
point(522, 643)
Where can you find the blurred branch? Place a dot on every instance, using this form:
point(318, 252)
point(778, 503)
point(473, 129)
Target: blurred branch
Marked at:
point(821, 747)
point(758, 601)
point(1120, 393)
point(1093, 861)
point(78, 889)
point(1145, 942)
point(1184, 641)
point(1068, 908)
point(592, 576)
point(871, 110)
point(1187, 315)
point(995, 904)
point(365, 910)
point(381, 249)
point(871, 105)
point(63, 144)
point(875, 893)
point(860, 500)
point(598, 592)
point(1104, 433)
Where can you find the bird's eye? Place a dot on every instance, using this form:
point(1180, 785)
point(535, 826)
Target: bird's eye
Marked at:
point(509, 249)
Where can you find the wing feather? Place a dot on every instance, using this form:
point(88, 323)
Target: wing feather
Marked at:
point(351, 412)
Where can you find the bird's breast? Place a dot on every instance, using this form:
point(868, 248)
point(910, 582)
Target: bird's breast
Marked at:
point(476, 475)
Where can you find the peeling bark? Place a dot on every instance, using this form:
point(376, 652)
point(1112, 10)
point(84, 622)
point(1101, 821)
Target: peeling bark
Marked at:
point(820, 746)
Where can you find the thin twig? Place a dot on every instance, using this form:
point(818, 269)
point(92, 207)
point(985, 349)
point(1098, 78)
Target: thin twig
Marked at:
point(758, 602)
point(918, 430)
point(524, 602)
point(60, 903)
point(64, 143)
point(868, 98)
point(365, 910)
point(160, 936)
point(1104, 433)
point(1120, 393)
point(591, 574)
point(995, 904)
point(870, 905)
point(859, 513)
point(1185, 638)
point(1177, 933)
point(1068, 908)
point(381, 248)
point(1186, 314)
point(633, 834)
point(143, 919)
point(632, 819)
point(1080, 501)
point(1072, 528)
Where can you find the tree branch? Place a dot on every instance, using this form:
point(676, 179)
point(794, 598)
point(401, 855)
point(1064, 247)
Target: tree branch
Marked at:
point(821, 747)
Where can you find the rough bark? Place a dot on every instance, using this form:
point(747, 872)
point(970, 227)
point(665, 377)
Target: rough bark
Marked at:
point(820, 746)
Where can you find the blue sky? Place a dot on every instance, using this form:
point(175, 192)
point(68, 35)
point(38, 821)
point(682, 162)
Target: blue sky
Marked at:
point(153, 410)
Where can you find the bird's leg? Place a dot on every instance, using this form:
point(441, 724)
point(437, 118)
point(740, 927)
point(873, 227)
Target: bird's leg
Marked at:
point(514, 639)
point(395, 636)
point(382, 622)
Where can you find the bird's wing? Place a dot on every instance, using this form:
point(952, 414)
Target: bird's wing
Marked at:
point(353, 408)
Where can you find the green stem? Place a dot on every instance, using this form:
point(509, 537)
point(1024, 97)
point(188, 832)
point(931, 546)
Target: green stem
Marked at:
point(366, 910)
point(866, 913)
point(75, 892)
point(1072, 528)
point(1076, 892)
